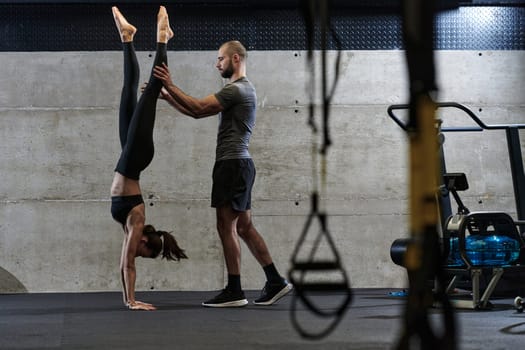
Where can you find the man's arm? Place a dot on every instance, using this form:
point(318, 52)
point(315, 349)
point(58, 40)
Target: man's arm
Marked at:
point(186, 104)
point(165, 95)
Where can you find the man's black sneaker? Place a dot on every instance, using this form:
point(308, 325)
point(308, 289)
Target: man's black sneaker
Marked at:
point(227, 298)
point(273, 292)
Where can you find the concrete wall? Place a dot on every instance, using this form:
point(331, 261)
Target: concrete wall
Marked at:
point(58, 115)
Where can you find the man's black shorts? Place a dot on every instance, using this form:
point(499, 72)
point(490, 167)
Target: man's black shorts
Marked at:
point(232, 183)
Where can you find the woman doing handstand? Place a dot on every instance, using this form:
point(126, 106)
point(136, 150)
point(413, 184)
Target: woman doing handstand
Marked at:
point(136, 122)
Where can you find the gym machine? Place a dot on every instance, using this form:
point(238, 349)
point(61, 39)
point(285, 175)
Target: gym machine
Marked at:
point(483, 243)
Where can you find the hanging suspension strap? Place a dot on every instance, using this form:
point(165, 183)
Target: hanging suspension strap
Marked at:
point(303, 269)
point(423, 256)
point(316, 267)
point(316, 264)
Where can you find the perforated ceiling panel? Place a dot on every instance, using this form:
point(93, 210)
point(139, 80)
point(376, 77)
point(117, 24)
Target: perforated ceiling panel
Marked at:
point(90, 27)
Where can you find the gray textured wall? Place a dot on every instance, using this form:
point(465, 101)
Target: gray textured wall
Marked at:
point(58, 115)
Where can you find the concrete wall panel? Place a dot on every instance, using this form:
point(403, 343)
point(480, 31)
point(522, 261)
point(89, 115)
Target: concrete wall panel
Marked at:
point(58, 115)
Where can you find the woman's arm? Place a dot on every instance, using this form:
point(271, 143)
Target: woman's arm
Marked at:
point(135, 226)
point(124, 289)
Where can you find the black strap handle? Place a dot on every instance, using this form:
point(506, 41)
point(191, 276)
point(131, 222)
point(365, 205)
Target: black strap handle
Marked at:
point(302, 268)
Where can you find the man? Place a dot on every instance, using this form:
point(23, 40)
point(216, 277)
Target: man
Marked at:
point(233, 173)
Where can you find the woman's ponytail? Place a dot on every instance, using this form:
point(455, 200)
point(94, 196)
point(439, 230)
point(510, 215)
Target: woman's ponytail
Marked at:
point(168, 245)
point(171, 249)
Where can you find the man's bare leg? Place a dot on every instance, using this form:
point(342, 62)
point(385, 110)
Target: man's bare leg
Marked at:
point(232, 295)
point(253, 239)
point(226, 225)
point(276, 286)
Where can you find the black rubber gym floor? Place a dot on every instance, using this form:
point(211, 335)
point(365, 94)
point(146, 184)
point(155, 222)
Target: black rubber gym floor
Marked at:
point(99, 321)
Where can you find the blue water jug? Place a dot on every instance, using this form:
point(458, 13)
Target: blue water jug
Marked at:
point(485, 250)
point(454, 258)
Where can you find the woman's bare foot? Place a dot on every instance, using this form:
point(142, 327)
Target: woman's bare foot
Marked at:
point(126, 30)
point(164, 32)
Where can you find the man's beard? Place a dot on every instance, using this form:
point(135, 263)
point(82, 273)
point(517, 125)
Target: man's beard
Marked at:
point(227, 72)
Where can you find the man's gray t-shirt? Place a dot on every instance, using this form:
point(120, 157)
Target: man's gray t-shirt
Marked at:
point(237, 120)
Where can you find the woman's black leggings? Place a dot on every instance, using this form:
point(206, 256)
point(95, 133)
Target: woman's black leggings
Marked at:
point(137, 119)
